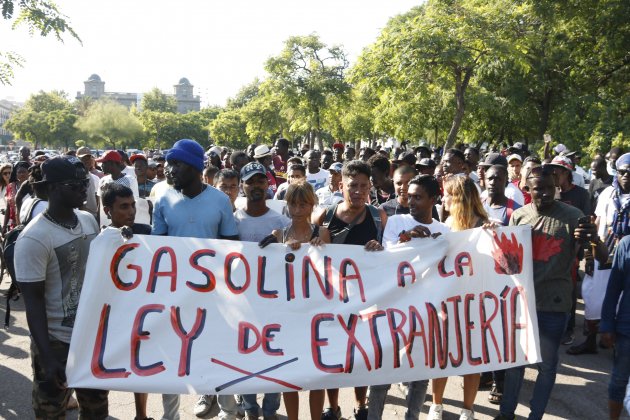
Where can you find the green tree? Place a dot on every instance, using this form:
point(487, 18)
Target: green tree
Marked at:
point(155, 100)
point(110, 124)
point(229, 129)
point(435, 49)
point(40, 17)
point(306, 74)
point(47, 118)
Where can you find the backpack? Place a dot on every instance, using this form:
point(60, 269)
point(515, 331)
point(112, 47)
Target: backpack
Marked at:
point(376, 217)
point(8, 250)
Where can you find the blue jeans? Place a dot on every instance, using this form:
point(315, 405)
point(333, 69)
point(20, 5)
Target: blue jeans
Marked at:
point(620, 370)
point(551, 327)
point(415, 400)
point(271, 404)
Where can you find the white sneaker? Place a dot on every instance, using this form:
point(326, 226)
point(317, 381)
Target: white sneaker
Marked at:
point(204, 405)
point(467, 415)
point(435, 412)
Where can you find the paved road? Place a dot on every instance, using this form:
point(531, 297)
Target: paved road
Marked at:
point(580, 391)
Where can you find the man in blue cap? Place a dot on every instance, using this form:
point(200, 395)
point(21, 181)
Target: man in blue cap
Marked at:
point(190, 209)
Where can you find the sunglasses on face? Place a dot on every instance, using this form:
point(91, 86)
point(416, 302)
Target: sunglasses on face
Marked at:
point(76, 185)
point(623, 172)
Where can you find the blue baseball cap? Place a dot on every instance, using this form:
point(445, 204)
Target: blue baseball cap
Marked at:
point(251, 169)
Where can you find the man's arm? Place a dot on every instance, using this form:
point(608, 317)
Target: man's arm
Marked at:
point(613, 291)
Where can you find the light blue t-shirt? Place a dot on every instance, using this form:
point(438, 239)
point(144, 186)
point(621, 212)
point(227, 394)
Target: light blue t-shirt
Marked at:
point(207, 215)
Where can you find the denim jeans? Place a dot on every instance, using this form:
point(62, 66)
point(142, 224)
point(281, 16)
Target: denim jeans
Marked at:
point(620, 370)
point(271, 404)
point(551, 327)
point(415, 400)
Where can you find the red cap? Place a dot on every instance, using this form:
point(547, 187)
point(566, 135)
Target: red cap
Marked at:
point(137, 156)
point(110, 156)
point(337, 146)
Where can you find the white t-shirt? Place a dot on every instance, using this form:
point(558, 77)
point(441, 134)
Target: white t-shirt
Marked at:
point(254, 229)
point(605, 209)
point(325, 197)
point(319, 180)
point(399, 222)
point(47, 252)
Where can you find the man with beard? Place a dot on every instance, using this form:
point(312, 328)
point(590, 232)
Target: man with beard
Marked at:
point(190, 209)
point(255, 222)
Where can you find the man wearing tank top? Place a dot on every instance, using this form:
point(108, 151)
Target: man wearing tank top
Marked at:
point(352, 222)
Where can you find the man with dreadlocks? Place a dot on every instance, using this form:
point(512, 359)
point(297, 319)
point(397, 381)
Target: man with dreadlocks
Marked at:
point(613, 221)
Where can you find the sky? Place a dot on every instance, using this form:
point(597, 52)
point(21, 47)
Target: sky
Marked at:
point(219, 45)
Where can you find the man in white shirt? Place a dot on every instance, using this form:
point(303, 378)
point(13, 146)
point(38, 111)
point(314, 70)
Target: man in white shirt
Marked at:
point(423, 193)
point(316, 176)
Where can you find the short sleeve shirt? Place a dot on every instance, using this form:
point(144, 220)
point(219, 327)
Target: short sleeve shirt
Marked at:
point(254, 229)
point(399, 222)
point(57, 256)
point(553, 252)
point(207, 215)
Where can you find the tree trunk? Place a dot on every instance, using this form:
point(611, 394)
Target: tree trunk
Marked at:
point(460, 100)
point(545, 112)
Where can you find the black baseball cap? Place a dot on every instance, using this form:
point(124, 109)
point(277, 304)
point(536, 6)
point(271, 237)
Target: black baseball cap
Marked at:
point(63, 168)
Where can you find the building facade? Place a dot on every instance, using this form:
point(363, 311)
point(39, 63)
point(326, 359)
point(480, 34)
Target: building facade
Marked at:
point(6, 108)
point(94, 88)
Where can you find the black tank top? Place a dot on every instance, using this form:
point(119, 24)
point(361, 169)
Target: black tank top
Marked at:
point(360, 234)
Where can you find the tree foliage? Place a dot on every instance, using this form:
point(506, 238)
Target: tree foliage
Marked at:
point(47, 119)
point(156, 100)
point(111, 125)
point(40, 17)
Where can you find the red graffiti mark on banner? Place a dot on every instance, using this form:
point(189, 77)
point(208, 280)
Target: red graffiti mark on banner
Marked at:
point(507, 254)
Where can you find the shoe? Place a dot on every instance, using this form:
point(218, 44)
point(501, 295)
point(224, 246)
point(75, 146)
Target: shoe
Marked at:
point(204, 405)
point(583, 348)
point(467, 415)
point(329, 414)
point(435, 412)
point(568, 338)
point(361, 413)
point(496, 395)
point(502, 417)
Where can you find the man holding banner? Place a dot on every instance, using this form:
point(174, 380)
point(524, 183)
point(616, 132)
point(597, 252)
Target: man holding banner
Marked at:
point(50, 259)
point(353, 222)
point(422, 194)
point(190, 209)
point(557, 230)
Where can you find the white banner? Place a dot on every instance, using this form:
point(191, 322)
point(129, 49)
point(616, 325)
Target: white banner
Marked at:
point(183, 315)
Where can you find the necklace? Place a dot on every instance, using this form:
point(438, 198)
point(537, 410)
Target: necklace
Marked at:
point(70, 226)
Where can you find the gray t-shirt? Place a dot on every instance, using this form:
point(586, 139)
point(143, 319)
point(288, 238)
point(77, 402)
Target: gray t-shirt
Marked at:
point(254, 229)
point(47, 252)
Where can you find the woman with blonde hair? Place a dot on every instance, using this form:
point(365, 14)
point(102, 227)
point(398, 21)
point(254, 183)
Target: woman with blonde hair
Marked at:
point(463, 205)
point(301, 200)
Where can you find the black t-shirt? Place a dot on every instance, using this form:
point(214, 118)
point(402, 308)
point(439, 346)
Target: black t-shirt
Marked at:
point(577, 197)
point(360, 234)
point(392, 207)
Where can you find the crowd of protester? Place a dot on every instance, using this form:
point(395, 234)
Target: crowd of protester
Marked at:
point(375, 198)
